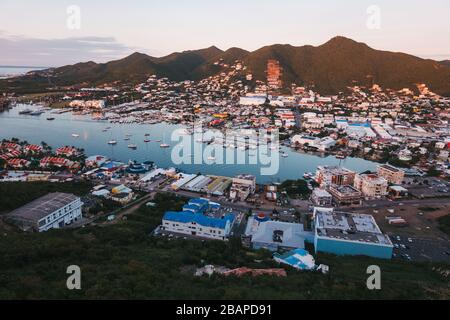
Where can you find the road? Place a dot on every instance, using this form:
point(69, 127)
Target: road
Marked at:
point(132, 207)
point(382, 204)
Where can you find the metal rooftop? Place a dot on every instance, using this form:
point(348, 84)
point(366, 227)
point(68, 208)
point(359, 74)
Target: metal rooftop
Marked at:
point(42, 207)
point(350, 227)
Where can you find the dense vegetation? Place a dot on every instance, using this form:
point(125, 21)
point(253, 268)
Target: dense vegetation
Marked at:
point(16, 194)
point(296, 188)
point(444, 224)
point(123, 261)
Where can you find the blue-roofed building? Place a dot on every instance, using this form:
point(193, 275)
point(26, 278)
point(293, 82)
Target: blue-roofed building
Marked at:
point(194, 222)
point(202, 204)
point(191, 208)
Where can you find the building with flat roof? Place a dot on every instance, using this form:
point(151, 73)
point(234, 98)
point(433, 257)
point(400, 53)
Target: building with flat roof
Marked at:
point(328, 175)
point(391, 174)
point(345, 195)
point(371, 186)
point(275, 235)
point(321, 198)
point(349, 234)
point(52, 211)
point(243, 186)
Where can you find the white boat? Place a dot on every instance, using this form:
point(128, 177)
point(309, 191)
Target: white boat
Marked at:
point(75, 135)
point(112, 142)
point(36, 113)
point(284, 155)
point(164, 145)
point(211, 158)
point(132, 146)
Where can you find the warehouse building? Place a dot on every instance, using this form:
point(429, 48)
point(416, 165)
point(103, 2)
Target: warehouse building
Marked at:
point(349, 234)
point(53, 211)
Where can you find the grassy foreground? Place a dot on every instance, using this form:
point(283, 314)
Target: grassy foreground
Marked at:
point(122, 261)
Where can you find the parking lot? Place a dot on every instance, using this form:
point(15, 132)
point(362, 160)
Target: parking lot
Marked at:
point(421, 249)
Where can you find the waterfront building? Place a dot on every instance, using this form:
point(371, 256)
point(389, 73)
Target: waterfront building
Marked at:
point(53, 211)
point(371, 186)
point(32, 148)
point(66, 151)
point(391, 174)
point(328, 175)
point(95, 161)
point(349, 234)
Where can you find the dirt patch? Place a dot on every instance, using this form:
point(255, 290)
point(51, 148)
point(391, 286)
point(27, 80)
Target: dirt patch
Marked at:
point(421, 223)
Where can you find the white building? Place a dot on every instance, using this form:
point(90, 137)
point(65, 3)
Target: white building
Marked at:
point(198, 225)
point(255, 100)
point(243, 186)
point(371, 186)
point(53, 211)
point(321, 198)
point(275, 235)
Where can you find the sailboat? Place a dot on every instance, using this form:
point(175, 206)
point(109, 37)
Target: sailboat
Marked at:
point(164, 145)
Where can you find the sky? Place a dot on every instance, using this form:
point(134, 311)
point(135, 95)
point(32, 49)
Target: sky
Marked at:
point(52, 33)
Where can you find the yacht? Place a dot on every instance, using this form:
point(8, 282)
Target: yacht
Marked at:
point(112, 142)
point(212, 158)
point(284, 155)
point(36, 113)
point(26, 111)
point(164, 145)
point(308, 175)
point(146, 140)
point(50, 118)
point(132, 146)
point(75, 135)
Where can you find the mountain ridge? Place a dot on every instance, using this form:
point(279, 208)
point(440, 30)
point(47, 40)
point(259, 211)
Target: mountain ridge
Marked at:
point(329, 67)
